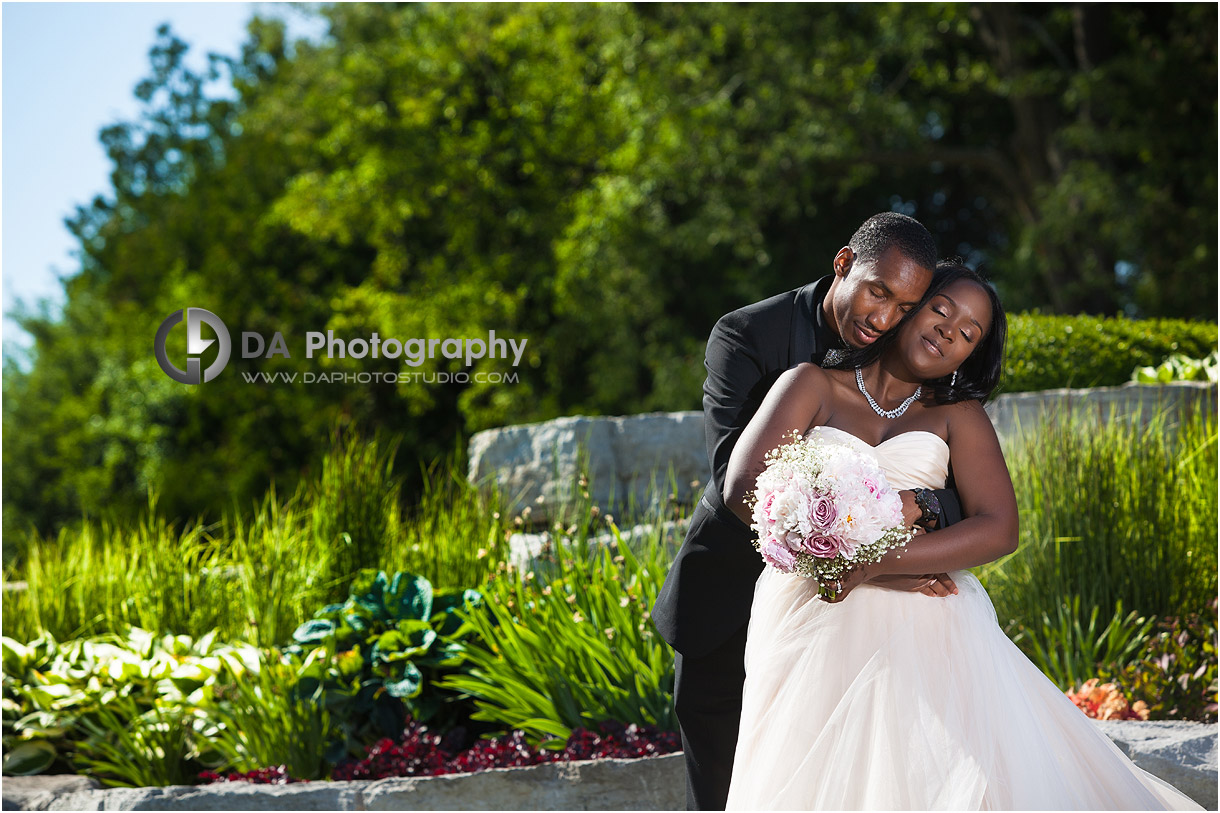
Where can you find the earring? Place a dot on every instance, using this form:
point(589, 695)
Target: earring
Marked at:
point(953, 380)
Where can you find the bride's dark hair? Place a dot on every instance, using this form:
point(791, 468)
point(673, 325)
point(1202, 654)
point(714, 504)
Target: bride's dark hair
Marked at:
point(979, 374)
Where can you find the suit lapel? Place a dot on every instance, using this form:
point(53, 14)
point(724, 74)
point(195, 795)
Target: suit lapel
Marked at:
point(803, 345)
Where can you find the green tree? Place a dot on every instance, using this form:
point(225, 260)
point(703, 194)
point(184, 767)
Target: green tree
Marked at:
point(600, 180)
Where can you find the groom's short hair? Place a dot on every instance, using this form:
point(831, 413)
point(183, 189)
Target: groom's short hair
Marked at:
point(887, 230)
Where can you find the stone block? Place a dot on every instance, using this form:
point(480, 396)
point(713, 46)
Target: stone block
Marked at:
point(609, 784)
point(1181, 753)
point(623, 456)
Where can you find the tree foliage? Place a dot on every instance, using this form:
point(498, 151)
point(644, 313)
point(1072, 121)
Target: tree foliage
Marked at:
point(603, 180)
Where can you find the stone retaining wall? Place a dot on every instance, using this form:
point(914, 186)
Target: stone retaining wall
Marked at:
point(1183, 754)
point(1022, 411)
point(537, 465)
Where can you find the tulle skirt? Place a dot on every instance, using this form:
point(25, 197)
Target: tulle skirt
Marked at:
point(901, 701)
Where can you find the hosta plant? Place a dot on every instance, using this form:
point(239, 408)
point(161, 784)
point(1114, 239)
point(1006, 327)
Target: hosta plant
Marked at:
point(379, 655)
point(54, 692)
point(1179, 367)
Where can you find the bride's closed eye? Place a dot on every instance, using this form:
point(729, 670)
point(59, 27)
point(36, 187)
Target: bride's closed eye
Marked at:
point(942, 311)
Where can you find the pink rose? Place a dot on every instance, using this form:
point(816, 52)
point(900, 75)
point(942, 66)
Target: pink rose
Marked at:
point(777, 555)
point(824, 512)
point(822, 546)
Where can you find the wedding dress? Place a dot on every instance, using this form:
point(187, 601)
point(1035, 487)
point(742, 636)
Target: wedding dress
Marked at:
point(893, 700)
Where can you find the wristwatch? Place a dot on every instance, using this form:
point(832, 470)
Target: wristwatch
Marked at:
point(929, 504)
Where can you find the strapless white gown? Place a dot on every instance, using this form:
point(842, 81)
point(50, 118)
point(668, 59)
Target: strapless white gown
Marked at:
point(899, 701)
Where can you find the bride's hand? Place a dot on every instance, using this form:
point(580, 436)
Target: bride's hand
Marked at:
point(911, 512)
point(838, 590)
point(931, 584)
point(940, 586)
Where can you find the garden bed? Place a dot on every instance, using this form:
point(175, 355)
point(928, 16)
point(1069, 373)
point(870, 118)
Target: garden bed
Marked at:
point(150, 655)
point(1181, 753)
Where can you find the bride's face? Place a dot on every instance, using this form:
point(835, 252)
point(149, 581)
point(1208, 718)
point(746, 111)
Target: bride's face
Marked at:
point(947, 330)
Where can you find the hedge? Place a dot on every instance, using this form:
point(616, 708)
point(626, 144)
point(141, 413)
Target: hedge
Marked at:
point(1048, 352)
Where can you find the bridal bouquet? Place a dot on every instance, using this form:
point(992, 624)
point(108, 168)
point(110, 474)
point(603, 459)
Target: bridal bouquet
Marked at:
point(821, 507)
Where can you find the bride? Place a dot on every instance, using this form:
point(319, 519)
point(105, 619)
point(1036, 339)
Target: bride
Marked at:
point(880, 699)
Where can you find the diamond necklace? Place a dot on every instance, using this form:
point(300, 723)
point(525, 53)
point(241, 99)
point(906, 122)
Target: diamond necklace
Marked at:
point(886, 413)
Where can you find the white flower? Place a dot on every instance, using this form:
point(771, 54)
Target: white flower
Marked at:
point(790, 513)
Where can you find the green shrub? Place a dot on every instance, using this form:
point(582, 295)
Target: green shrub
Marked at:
point(574, 647)
point(454, 536)
point(251, 580)
point(131, 746)
point(86, 702)
point(353, 503)
point(255, 578)
point(1175, 674)
point(1048, 352)
point(1069, 652)
point(274, 716)
point(1179, 367)
point(279, 570)
point(104, 578)
point(1118, 511)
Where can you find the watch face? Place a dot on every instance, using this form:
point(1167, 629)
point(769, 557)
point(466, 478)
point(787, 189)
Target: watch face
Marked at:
point(928, 504)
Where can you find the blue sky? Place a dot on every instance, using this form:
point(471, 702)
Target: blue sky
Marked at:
point(70, 69)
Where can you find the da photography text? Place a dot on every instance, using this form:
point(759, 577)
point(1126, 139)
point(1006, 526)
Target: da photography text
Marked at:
point(413, 352)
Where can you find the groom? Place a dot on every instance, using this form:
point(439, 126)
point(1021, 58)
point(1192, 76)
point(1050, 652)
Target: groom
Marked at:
point(704, 606)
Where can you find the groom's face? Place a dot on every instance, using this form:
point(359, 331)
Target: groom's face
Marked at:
point(870, 297)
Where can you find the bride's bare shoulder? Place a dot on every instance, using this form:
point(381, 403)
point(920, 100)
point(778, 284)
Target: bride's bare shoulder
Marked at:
point(806, 387)
point(811, 373)
point(968, 419)
point(808, 371)
point(811, 377)
point(967, 411)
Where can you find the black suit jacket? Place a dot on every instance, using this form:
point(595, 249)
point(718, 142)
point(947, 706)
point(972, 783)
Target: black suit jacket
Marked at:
point(710, 586)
